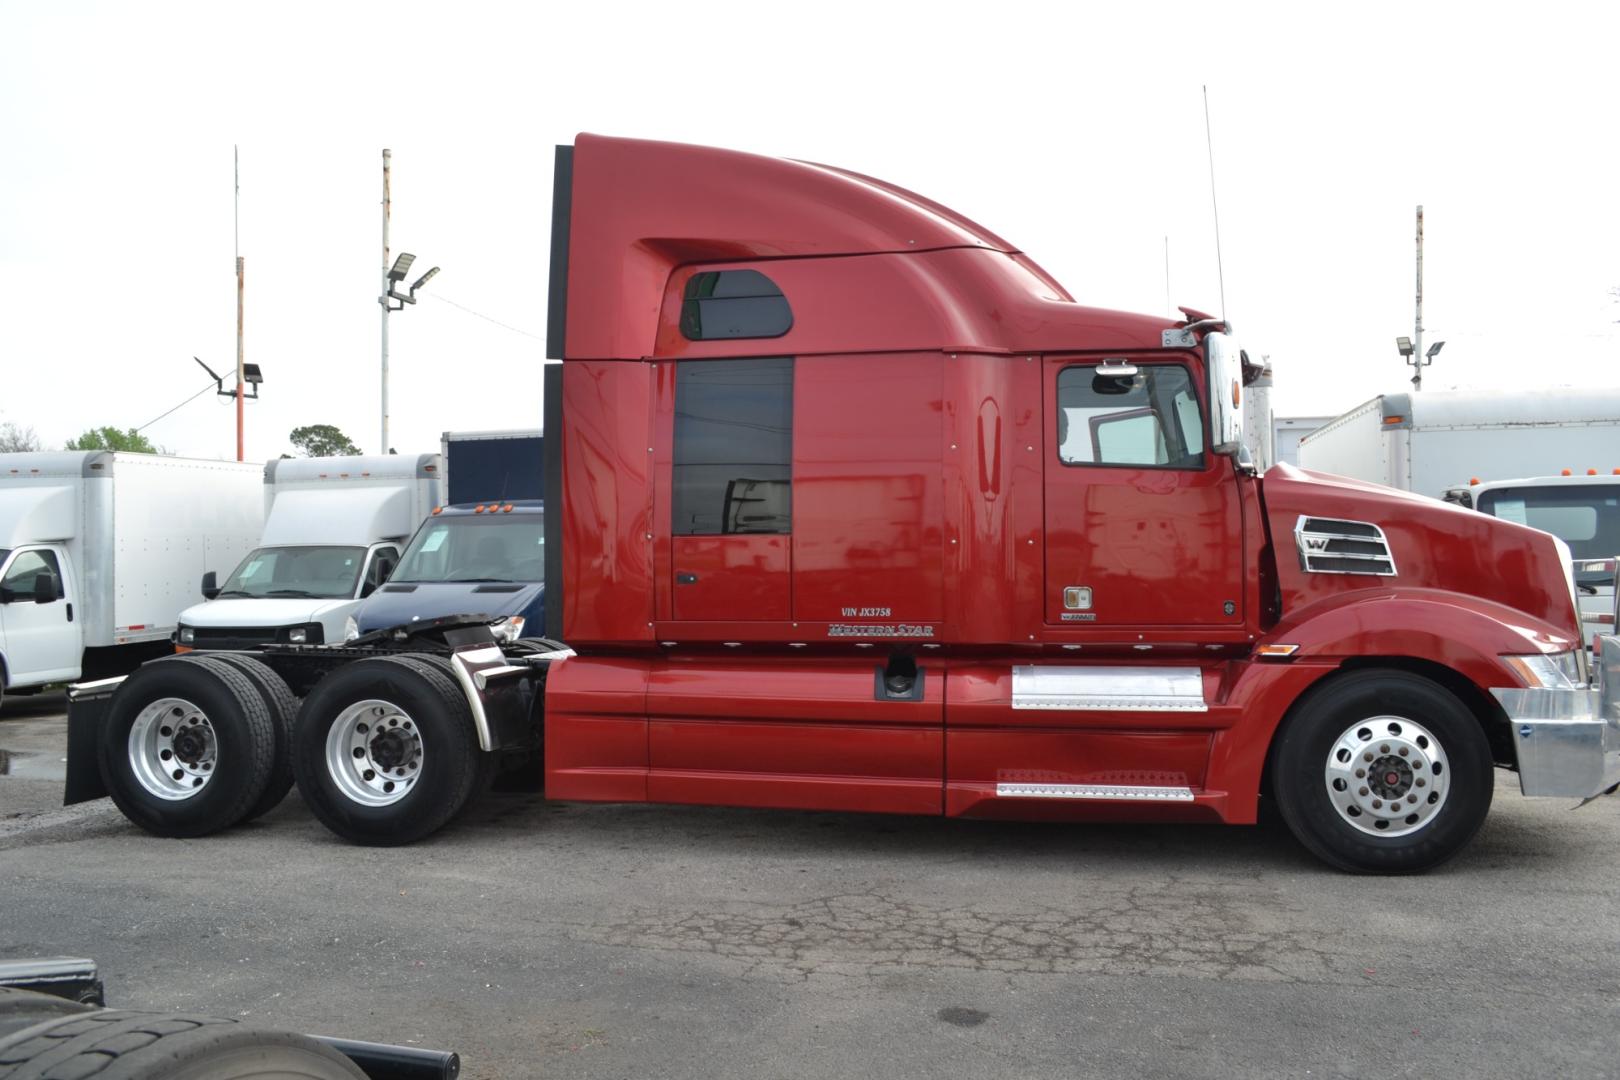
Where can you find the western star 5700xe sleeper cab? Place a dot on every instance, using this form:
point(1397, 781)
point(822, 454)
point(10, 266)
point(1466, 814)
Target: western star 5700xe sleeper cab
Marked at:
point(854, 507)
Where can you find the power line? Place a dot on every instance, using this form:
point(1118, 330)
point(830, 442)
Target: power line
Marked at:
point(486, 318)
point(188, 401)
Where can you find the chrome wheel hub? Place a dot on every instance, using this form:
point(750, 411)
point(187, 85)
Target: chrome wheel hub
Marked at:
point(1387, 776)
point(374, 753)
point(172, 749)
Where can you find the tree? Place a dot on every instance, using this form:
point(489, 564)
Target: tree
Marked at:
point(322, 440)
point(14, 438)
point(110, 438)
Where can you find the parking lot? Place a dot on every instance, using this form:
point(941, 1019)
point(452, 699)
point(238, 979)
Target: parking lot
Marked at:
point(644, 941)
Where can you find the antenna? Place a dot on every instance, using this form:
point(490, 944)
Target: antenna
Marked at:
point(1209, 146)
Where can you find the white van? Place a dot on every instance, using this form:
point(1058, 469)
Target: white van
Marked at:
point(333, 532)
point(100, 551)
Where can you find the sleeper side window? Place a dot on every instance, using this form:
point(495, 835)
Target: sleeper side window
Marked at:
point(733, 453)
point(1147, 419)
point(723, 304)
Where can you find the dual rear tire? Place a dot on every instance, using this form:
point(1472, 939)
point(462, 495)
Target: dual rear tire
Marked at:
point(383, 750)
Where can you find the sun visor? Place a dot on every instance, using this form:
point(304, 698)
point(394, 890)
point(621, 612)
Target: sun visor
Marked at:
point(339, 516)
point(33, 515)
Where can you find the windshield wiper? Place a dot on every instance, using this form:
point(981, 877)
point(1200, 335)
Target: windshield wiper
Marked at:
point(303, 593)
point(234, 592)
point(480, 581)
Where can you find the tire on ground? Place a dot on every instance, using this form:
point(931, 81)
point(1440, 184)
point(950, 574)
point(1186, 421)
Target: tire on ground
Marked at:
point(1361, 719)
point(116, 1044)
point(418, 694)
point(217, 777)
point(283, 706)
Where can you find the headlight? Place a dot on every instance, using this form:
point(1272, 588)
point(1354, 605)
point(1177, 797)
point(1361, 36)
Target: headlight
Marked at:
point(351, 629)
point(298, 635)
point(188, 635)
point(508, 629)
point(1552, 671)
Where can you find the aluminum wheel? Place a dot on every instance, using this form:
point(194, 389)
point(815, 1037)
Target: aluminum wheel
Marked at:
point(374, 752)
point(172, 749)
point(1387, 776)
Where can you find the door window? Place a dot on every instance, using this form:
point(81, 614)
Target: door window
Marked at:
point(25, 568)
point(1148, 419)
point(733, 447)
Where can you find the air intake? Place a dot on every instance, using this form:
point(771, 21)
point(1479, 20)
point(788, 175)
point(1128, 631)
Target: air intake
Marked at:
point(1332, 546)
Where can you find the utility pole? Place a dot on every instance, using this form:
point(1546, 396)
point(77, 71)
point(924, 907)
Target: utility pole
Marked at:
point(236, 225)
point(388, 158)
point(1417, 328)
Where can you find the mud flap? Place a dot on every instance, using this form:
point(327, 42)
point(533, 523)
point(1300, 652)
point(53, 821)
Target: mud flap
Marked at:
point(87, 711)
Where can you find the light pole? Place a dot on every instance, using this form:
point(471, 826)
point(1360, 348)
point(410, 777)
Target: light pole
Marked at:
point(1404, 346)
point(1412, 347)
point(392, 275)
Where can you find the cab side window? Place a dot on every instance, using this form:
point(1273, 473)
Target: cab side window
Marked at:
point(24, 569)
point(1149, 419)
point(384, 558)
point(733, 447)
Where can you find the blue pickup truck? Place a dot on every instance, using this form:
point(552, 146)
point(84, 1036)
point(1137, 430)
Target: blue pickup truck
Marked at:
point(483, 559)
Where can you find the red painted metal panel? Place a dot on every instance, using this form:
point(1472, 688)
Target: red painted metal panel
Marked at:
point(607, 502)
point(731, 577)
point(1156, 546)
point(765, 732)
point(596, 729)
point(868, 515)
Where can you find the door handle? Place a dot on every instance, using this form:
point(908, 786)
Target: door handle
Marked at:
point(70, 610)
point(686, 579)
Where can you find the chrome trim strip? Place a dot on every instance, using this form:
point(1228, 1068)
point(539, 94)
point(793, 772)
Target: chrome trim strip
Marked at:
point(461, 663)
point(1303, 537)
point(1136, 792)
point(94, 686)
point(1112, 689)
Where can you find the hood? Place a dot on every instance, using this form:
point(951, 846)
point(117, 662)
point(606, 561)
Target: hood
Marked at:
point(242, 611)
point(1430, 545)
point(397, 604)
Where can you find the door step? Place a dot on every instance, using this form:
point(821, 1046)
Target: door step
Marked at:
point(1132, 792)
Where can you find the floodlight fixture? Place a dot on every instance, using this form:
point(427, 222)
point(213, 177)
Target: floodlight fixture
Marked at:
point(252, 375)
point(1433, 349)
point(402, 266)
point(1404, 344)
point(424, 279)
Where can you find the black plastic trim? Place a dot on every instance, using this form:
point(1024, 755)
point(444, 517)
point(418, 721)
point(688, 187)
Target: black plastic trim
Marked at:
point(562, 208)
point(553, 428)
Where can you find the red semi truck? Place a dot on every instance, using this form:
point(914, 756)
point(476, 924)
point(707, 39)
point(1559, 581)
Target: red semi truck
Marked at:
point(858, 509)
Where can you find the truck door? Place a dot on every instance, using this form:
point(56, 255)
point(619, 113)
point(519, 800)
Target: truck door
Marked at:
point(41, 642)
point(1142, 520)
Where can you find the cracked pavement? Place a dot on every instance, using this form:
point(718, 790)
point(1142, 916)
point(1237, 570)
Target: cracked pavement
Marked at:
point(564, 940)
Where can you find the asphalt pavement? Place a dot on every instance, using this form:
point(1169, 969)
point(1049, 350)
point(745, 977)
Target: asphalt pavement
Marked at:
point(571, 940)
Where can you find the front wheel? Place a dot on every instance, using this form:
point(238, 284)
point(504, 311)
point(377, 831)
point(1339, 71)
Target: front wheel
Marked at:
point(1382, 772)
point(385, 751)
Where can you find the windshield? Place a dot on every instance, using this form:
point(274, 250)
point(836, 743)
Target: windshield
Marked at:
point(1584, 516)
point(476, 548)
point(317, 572)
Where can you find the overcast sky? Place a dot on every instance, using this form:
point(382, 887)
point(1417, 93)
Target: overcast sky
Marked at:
point(1074, 130)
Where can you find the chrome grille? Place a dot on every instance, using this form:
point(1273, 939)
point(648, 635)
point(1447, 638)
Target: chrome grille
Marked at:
point(1333, 546)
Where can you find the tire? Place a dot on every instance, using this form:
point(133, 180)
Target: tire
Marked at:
point(223, 769)
point(282, 704)
point(395, 791)
point(1382, 772)
point(20, 1009)
point(117, 1044)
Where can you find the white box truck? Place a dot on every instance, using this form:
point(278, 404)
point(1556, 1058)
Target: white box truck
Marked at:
point(1581, 510)
point(1432, 441)
point(333, 531)
point(100, 551)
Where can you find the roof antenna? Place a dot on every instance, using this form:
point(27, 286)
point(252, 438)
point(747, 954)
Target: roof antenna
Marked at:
point(1209, 146)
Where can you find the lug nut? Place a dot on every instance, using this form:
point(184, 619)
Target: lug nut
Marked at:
point(1361, 791)
point(1360, 773)
point(1420, 781)
point(1384, 749)
point(1402, 751)
point(1367, 756)
point(1378, 804)
point(369, 775)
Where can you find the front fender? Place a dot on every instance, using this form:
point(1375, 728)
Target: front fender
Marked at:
point(1467, 634)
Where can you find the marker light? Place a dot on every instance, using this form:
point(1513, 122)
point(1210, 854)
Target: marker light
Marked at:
point(1565, 472)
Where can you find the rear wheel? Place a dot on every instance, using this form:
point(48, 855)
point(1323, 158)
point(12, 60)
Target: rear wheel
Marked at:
point(187, 747)
point(1382, 772)
point(283, 708)
point(385, 751)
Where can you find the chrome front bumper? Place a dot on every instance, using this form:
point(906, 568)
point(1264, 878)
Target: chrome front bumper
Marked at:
point(1568, 741)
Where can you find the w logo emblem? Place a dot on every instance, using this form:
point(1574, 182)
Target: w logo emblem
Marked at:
point(1316, 543)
